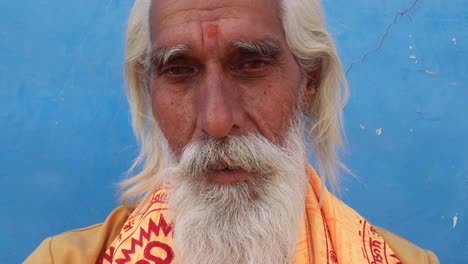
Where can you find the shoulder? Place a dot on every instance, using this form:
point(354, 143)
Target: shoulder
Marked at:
point(83, 245)
point(406, 251)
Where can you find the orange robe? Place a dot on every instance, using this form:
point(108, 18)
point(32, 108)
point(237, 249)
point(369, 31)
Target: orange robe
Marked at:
point(332, 233)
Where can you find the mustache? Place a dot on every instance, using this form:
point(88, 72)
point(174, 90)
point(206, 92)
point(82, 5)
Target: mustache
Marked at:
point(250, 152)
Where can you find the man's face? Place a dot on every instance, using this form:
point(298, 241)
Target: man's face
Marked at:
point(211, 79)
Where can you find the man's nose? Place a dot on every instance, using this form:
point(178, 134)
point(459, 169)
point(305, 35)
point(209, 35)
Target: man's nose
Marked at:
point(218, 111)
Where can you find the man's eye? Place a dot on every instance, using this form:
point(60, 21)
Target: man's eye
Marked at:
point(254, 64)
point(178, 71)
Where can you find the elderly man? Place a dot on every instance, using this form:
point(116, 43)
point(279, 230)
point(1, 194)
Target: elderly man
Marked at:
point(226, 97)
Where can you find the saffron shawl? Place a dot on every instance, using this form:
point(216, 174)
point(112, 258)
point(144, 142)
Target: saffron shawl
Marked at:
point(331, 233)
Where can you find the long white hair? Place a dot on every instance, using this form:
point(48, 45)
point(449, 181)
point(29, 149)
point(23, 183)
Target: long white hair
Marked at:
point(313, 48)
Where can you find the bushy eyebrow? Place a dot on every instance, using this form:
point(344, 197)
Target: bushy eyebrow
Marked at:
point(261, 47)
point(161, 56)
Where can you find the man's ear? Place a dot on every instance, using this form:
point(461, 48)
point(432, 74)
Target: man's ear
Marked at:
point(310, 90)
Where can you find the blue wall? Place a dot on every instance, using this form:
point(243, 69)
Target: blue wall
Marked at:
point(66, 140)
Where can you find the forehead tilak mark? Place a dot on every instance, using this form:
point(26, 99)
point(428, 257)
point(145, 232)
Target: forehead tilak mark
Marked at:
point(211, 30)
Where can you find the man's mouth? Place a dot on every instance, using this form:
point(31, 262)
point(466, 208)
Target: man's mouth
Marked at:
point(227, 175)
point(228, 169)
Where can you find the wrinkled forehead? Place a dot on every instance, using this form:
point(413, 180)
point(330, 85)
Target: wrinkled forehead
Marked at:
point(176, 21)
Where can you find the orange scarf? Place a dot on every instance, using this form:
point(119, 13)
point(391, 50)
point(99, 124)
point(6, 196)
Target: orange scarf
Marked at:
point(333, 233)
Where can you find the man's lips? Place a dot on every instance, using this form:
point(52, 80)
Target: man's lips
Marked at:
point(228, 176)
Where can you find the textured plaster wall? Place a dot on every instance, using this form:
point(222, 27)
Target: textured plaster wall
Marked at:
point(66, 140)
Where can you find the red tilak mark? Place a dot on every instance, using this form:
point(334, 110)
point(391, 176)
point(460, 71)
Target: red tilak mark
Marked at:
point(211, 31)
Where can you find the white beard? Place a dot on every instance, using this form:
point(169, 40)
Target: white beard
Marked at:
point(253, 221)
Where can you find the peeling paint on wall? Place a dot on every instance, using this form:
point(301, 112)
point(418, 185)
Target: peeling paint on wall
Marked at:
point(455, 221)
point(378, 132)
point(454, 40)
point(430, 72)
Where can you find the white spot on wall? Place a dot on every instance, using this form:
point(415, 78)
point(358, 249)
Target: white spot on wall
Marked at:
point(378, 132)
point(411, 130)
point(455, 220)
point(454, 40)
point(411, 47)
point(453, 83)
point(431, 72)
point(410, 36)
point(413, 57)
point(363, 127)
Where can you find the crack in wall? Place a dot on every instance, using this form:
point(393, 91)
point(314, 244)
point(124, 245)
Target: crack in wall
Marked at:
point(384, 36)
